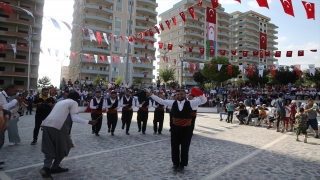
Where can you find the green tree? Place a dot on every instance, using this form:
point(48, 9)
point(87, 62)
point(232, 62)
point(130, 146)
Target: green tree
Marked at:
point(97, 79)
point(315, 79)
point(256, 79)
point(219, 76)
point(44, 82)
point(199, 78)
point(167, 75)
point(138, 81)
point(173, 84)
point(119, 80)
point(285, 75)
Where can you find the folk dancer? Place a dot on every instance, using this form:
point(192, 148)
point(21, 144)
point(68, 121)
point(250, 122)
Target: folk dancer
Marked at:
point(144, 103)
point(193, 112)
point(112, 114)
point(173, 95)
point(97, 106)
point(55, 138)
point(181, 130)
point(158, 115)
point(127, 103)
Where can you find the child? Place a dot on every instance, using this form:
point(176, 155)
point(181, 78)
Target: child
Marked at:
point(301, 124)
point(287, 120)
point(262, 114)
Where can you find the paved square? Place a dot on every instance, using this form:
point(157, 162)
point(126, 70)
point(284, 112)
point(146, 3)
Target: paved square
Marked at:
point(218, 151)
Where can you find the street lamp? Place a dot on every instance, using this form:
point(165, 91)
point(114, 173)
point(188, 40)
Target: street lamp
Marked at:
point(128, 44)
point(181, 60)
point(30, 35)
point(61, 68)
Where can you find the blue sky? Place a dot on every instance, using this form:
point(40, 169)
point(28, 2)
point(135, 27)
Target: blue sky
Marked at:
point(295, 33)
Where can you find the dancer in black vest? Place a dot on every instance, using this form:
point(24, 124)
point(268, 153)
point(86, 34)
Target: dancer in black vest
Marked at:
point(193, 112)
point(112, 113)
point(97, 106)
point(127, 103)
point(142, 114)
point(181, 130)
point(170, 109)
point(158, 115)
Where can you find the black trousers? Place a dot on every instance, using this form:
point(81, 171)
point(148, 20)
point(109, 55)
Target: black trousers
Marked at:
point(142, 117)
point(126, 119)
point(230, 116)
point(170, 115)
point(112, 121)
point(97, 127)
point(158, 118)
point(29, 109)
point(193, 122)
point(37, 124)
point(180, 136)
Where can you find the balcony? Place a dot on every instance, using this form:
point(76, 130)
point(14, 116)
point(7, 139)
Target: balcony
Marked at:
point(247, 34)
point(149, 38)
point(194, 34)
point(13, 34)
point(224, 21)
point(38, 1)
point(272, 36)
point(141, 28)
point(97, 9)
point(195, 50)
point(147, 11)
point(197, 27)
point(19, 61)
point(190, 83)
point(144, 66)
point(18, 74)
point(99, 18)
point(149, 76)
point(16, 21)
point(273, 42)
point(152, 21)
point(224, 42)
point(224, 34)
point(92, 60)
point(223, 27)
point(148, 2)
point(196, 20)
point(272, 48)
point(193, 59)
point(199, 12)
point(142, 46)
point(195, 43)
point(93, 49)
point(96, 28)
point(93, 71)
point(188, 74)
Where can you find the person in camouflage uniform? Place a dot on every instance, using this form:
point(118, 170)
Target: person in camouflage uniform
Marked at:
point(301, 124)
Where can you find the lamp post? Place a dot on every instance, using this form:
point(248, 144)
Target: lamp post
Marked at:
point(164, 52)
point(61, 66)
point(181, 60)
point(128, 45)
point(30, 34)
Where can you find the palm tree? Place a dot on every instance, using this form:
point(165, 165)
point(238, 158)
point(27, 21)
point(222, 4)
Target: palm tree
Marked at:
point(167, 75)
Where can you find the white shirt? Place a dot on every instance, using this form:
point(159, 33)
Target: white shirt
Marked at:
point(287, 111)
point(150, 104)
point(193, 103)
point(133, 102)
point(98, 101)
point(112, 102)
point(60, 112)
point(4, 103)
point(156, 105)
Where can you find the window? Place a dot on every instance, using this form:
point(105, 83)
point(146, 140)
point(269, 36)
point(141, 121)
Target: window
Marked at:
point(240, 77)
point(20, 31)
point(3, 15)
point(1, 82)
point(264, 30)
point(25, 19)
point(260, 29)
point(116, 49)
point(119, 9)
point(179, 32)
point(118, 19)
point(264, 60)
point(19, 83)
point(179, 40)
point(3, 42)
point(2, 55)
point(180, 23)
point(2, 68)
point(3, 29)
point(21, 57)
point(19, 70)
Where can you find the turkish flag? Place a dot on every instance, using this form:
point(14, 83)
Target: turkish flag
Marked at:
point(175, 61)
point(211, 52)
point(161, 26)
point(201, 50)
point(146, 46)
point(144, 75)
point(168, 24)
point(23, 47)
point(278, 54)
point(169, 46)
point(309, 9)
point(255, 53)
point(147, 19)
point(297, 69)
point(313, 50)
point(215, 3)
point(245, 53)
point(190, 49)
point(157, 29)
point(273, 71)
point(180, 46)
point(289, 53)
point(301, 53)
point(121, 37)
point(263, 40)
point(267, 53)
point(234, 52)
point(102, 58)
point(151, 42)
point(183, 16)
point(263, 3)
point(287, 7)
point(211, 15)
point(146, 33)
point(191, 67)
point(261, 54)
point(174, 20)
point(151, 32)
point(115, 59)
point(199, 3)
point(191, 10)
point(88, 57)
point(230, 69)
point(141, 35)
point(238, 1)
point(73, 55)
point(160, 45)
point(142, 40)
point(250, 70)
point(132, 59)
point(98, 37)
point(222, 52)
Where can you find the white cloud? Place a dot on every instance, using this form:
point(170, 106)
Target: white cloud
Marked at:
point(229, 2)
point(281, 39)
point(255, 5)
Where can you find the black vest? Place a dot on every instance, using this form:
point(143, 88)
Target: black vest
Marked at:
point(115, 105)
point(127, 102)
point(185, 113)
point(160, 105)
point(146, 103)
point(95, 103)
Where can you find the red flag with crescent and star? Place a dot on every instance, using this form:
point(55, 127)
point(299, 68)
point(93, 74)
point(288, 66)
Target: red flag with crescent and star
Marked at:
point(146, 33)
point(261, 54)
point(190, 48)
point(199, 3)
point(309, 7)
point(267, 53)
point(174, 20)
point(115, 59)
point(301, 53)
point(230, 69)
point(211, 52)
point(289, 53)
point(245, 53)
point(273, 71)
point(278, 54)
point(238, 1)
point(201, 50)
point(151, 32)
point(192, 13)
point(250, 70)
point(102, 58)
point(161, 26)
point(297, 69)
point(157, 29)
point(170, 47)
point(160, 45)
point(255, 53)
point(234, 52)
point(215, 3)
point(168, 24)
point(263, 40)
point(222, 52)
point(98, 34)
point(263, 3)
point(183, 16)
point(287, 7)
point(211, 15)
point(88, 57)
point(191, 67)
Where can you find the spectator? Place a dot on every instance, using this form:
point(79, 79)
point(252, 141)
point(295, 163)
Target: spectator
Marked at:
point(242, 112)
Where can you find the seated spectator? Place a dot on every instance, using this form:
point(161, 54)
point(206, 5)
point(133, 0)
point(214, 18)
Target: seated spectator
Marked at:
point(287, 97)
point(242, 112)
point(253, 114)
point(224, 112)
point(262, 114)
point(313, 94)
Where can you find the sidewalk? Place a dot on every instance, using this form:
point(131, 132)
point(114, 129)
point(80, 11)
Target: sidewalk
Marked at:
point(218, 151)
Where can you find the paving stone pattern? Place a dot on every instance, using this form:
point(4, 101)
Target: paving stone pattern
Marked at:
point(218, 151)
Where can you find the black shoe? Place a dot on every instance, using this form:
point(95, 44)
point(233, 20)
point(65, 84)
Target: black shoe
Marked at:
point(127, 133)
point(221, 119)
point(97, 134)
point(112, 134)
point(143, 132)
point(59, 170)
point(227, 121)
point(174, 167)
point(34, 142)
point(139, 130)
point(1, 162)
point(179, 168)
point(154, 132)
point(108, 130)
point(159, 133)
point(45, 173)
point(122, 126)
point(92, 132)
point(317, 136)
point(1, 168)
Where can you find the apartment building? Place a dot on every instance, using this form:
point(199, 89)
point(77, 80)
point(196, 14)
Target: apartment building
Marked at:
point(65, 72)
point(112, 17)
point(192, 33)
point(245, 37)
point(14, 29)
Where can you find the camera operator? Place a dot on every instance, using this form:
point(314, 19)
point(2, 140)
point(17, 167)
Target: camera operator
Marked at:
point(44, 106)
